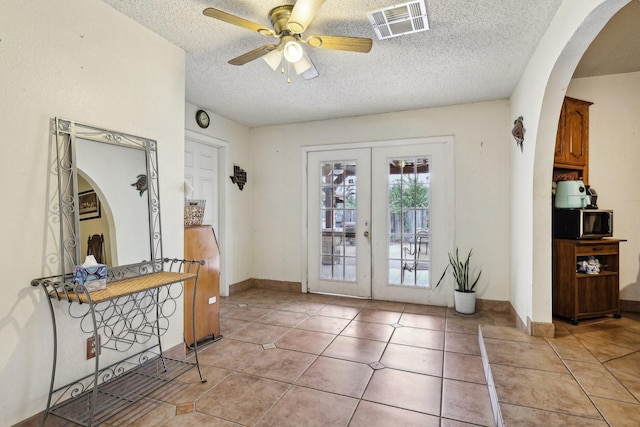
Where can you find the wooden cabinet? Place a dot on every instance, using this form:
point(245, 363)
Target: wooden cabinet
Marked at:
point(571, 158)
point(200, 244)
point(580, 295)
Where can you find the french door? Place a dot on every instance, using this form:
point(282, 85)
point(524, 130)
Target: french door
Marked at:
point(380, 221)
point(339, 200)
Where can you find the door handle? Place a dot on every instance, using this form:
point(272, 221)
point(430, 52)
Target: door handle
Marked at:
point(366, 232)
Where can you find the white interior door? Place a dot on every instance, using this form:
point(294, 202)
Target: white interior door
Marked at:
point(201, 171)
point(338, 220)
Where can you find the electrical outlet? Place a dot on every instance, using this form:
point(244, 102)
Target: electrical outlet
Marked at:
point(91, 347)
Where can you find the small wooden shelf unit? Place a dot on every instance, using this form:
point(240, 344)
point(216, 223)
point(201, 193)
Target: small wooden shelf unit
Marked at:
point(579, 295)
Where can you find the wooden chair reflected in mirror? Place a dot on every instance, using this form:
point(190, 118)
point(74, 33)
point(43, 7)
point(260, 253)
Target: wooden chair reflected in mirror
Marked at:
point(95, 247)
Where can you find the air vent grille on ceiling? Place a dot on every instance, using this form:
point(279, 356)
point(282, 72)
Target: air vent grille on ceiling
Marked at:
point(405, 18)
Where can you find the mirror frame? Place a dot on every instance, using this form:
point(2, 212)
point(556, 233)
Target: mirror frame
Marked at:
point(66, 133)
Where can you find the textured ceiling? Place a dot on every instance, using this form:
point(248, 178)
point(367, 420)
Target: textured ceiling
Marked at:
point(475, 50)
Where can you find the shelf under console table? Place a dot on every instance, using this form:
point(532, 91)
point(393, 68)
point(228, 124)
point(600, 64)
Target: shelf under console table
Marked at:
point(128, 317)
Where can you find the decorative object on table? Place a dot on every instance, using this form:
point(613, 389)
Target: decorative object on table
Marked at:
point(464, 293)
point(140, 184)
point(90, 274)
point(202, 119)
point(88, 205)
point(239, 176)
point(518, 132)
point(193, 212)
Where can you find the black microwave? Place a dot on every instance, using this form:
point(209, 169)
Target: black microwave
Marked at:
point(582, 223)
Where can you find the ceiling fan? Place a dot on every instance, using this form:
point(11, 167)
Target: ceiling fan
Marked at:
point(289, 22)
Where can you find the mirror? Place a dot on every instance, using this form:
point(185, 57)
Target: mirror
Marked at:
point(108, 199)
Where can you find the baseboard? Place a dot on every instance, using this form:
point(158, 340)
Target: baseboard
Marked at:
point(276, 285)
point(541, 329)
point(240, 286)
point(628, 305)
point(494, 306)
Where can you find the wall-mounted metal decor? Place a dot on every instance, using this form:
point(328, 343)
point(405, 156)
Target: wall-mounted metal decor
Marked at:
point(239, 176)
point(140, 184)
point(518, 132)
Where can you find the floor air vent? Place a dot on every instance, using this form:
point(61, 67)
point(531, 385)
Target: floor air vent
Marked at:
point(394, 21)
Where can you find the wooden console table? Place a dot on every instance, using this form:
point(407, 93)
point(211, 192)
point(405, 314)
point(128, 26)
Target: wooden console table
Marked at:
point(128, 317)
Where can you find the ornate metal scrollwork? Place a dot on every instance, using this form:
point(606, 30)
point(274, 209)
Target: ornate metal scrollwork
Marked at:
point(66, 133)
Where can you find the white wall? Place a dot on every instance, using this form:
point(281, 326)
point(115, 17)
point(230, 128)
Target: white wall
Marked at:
point(81, 60)
point(538, 98)
point(614, 154)
point(482, 144)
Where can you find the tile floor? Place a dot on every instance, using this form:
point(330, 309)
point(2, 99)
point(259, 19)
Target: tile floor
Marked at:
point(588, 375)
point(290, 359)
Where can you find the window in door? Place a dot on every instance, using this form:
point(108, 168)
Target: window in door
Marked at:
point(338, 221)
point(408, 235)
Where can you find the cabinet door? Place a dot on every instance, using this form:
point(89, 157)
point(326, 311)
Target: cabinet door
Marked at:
point(576, 133)
point(571, 156)
point(559, 156)
point(598, 294)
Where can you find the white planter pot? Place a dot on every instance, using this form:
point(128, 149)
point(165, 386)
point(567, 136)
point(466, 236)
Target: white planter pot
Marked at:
point(465, 302)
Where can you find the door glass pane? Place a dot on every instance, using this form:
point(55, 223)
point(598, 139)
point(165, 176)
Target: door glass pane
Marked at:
point(408, 222)
point(338, 221)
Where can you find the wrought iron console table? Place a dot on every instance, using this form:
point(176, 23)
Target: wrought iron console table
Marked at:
point(129, 314)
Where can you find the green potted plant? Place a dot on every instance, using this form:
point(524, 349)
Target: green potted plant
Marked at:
point(464, 293)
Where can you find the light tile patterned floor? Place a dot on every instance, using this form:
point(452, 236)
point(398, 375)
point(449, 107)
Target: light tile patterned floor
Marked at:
point(588, 375)
point(346, 362)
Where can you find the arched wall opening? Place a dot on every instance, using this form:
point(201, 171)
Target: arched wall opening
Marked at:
point(538, 98)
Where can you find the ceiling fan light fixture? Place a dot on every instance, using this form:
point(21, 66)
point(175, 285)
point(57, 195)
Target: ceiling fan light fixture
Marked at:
point(273, 58)
point(302, 65)
point(314, 41)
point(293, 51)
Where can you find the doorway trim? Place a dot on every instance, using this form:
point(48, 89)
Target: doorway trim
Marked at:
point(305, 150)
point(222, 233)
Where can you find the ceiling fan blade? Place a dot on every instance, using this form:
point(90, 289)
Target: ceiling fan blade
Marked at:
point(236, 20)
point(352, 44)
point(302, 14)
point(254, 54)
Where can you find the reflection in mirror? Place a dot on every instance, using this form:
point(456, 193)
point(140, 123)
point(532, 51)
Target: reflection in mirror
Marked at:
point(109, 170)
point(108, 195)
